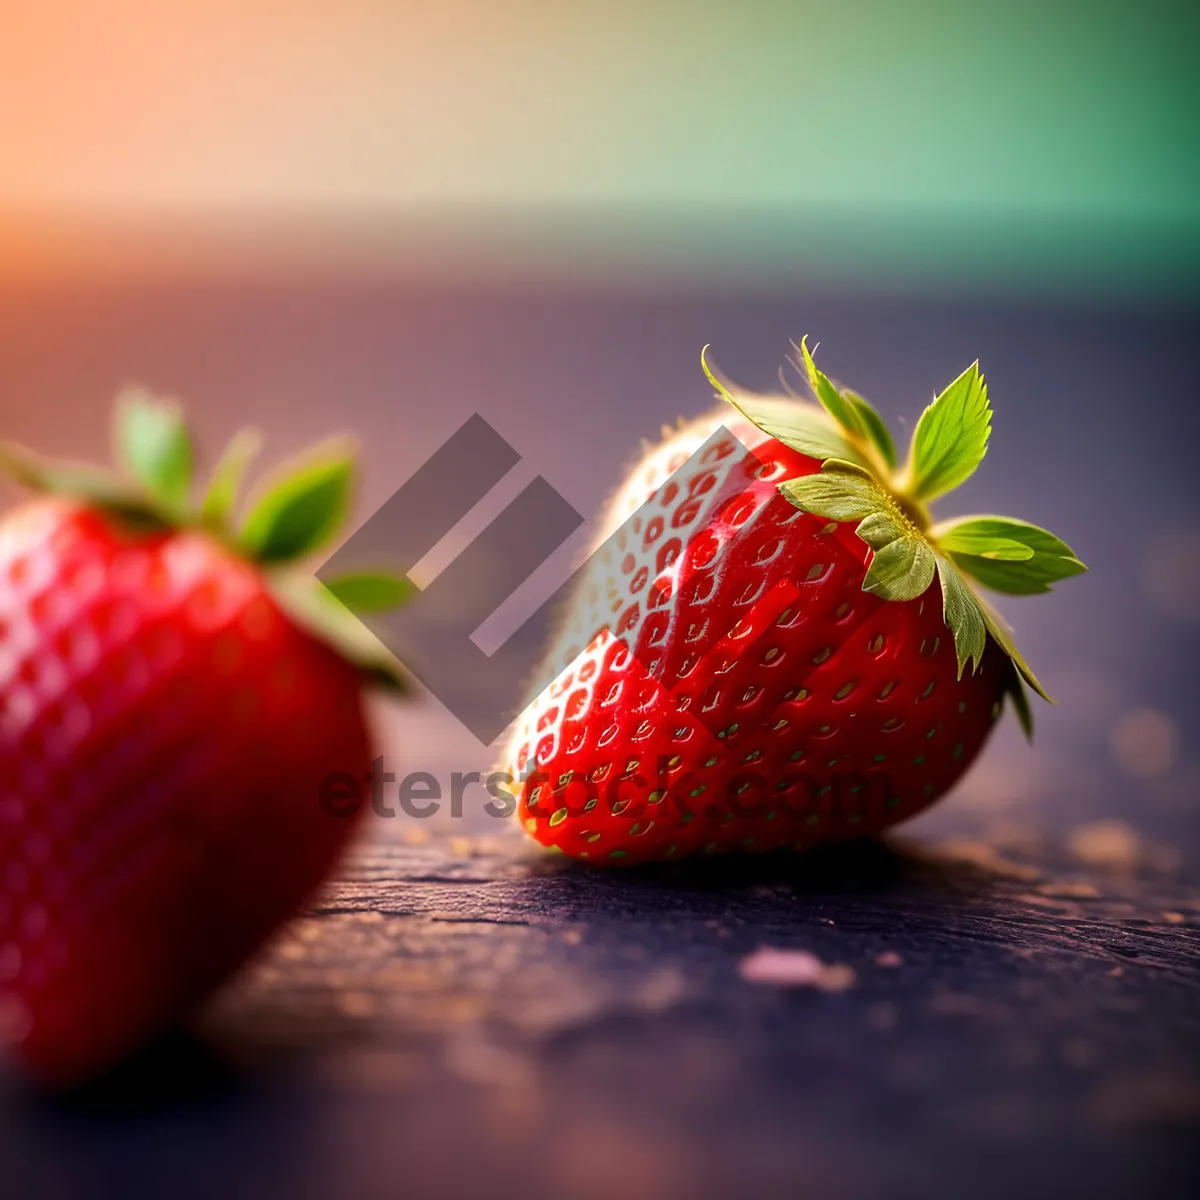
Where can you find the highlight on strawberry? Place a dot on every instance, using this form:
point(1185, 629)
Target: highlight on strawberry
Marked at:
point(173, 688)
point(790, 649)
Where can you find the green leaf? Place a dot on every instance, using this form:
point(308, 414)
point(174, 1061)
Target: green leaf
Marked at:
point(881, 528)
point(1012, 578)
point(309, 604)
point(65, 479)
point(973, 535)
point(1008, 555)
point(873, 427)
point(901, 568)
point(903, 563)
point(800, 426)
point(840, 464)
point(153, 444)
point(300, 512)
point(95, 486)
point(1003, 635)
point(839, 495)
point(850, 410)
point(963, 616)
point(832, 401)
point(372, 591)
point(803, 427)
point(227, 477)
point(951, 437)
point(1020, 703)
point(1003, 550)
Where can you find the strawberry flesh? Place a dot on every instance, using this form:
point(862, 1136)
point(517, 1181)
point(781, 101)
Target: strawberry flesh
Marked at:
point(726, 684)
point(164, 731)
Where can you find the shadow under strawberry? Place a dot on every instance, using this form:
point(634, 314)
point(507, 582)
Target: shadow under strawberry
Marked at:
point(205, 1064)
point(864, 866)
point(177, 1070)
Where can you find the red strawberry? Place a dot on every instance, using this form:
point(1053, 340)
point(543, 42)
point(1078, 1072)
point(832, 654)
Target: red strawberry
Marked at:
point(776, 653)
point(167, 717)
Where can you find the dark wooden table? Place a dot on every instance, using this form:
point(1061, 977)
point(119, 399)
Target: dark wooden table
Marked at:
point(463, 1016)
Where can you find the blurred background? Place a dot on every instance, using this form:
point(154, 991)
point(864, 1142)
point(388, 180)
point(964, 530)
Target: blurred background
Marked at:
point(384, 216)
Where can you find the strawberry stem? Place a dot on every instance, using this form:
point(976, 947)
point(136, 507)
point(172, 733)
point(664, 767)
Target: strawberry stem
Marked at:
point(298, 511)
point(860, 482)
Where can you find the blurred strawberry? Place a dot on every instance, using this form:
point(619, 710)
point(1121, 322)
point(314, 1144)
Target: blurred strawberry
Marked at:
point(776, 653)
point(173, 695)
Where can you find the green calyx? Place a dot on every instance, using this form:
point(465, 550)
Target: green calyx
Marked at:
point(293, 513)
point(861, 480)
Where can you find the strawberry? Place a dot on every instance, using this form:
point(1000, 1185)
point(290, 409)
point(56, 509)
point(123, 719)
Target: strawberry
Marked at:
point(781, 647)
point(173, 695)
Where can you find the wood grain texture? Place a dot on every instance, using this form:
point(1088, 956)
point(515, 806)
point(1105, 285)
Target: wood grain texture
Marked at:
point(459, 1018)
point(462, 1016)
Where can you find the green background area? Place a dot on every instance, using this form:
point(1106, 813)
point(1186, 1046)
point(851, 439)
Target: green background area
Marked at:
point(1027, 144)
point(1021, 143)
